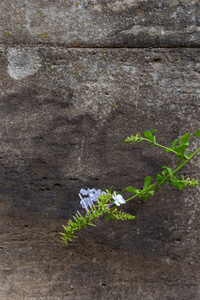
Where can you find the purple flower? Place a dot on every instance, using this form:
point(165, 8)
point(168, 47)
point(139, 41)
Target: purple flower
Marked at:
point(92, 194)
point(118, 199)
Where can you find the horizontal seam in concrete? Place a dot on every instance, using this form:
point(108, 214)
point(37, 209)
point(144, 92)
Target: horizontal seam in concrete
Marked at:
point(96, 47)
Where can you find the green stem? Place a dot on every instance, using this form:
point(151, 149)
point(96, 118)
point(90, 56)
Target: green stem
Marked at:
point(186, 161)
point(155, 184)
point(166, 148)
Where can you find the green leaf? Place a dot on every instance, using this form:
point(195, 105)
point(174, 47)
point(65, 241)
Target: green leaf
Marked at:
point(197, 133)
point(184, 139)
point(147, 181)
point(159, 177)
point(143, 197)
point(149, 136)
point(180, 150)
point(91, 224)
point(111, 188)
point(188, 154)
point(112, 216)
point(131, 190)
point(169, 171)
point(152, 188)
point(108, 217)
point(179, 162)
point(174, 144)
point(179, 185)
point(183, 148)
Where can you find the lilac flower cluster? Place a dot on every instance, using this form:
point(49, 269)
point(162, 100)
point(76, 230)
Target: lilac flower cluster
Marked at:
point(92, 196)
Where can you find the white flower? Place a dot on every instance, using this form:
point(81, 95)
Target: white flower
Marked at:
point(118, 199)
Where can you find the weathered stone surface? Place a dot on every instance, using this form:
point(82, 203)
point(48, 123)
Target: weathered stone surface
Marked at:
point(95, 23)
point(64, 116)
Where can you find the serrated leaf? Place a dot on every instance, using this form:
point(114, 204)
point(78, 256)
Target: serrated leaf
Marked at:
point(153, 130)
point(147, 181)
point(148, 135)
point(184, 139)
point(197, 133)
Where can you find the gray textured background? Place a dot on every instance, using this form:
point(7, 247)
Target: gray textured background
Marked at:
point(76, 79)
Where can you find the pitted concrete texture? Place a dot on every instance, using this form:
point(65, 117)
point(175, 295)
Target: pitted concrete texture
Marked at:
point(64, 116)
point(99, 23)
point(72, 88)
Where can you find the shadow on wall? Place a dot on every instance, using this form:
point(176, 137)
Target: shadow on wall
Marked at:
point(48, 156)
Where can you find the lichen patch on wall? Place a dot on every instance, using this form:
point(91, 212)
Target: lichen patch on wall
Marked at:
point(22, 63)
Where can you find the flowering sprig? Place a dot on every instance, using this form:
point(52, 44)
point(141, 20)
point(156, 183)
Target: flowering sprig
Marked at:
point(104, 203)
point(92, 197)
point(97, 202)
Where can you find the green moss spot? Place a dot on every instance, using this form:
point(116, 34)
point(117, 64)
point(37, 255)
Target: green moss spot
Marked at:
point(79, 67)
point(6, 33)
point(140, 13)
point(44, 35)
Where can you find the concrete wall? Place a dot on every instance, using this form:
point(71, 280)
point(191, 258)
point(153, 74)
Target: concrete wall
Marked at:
point(76, 79)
